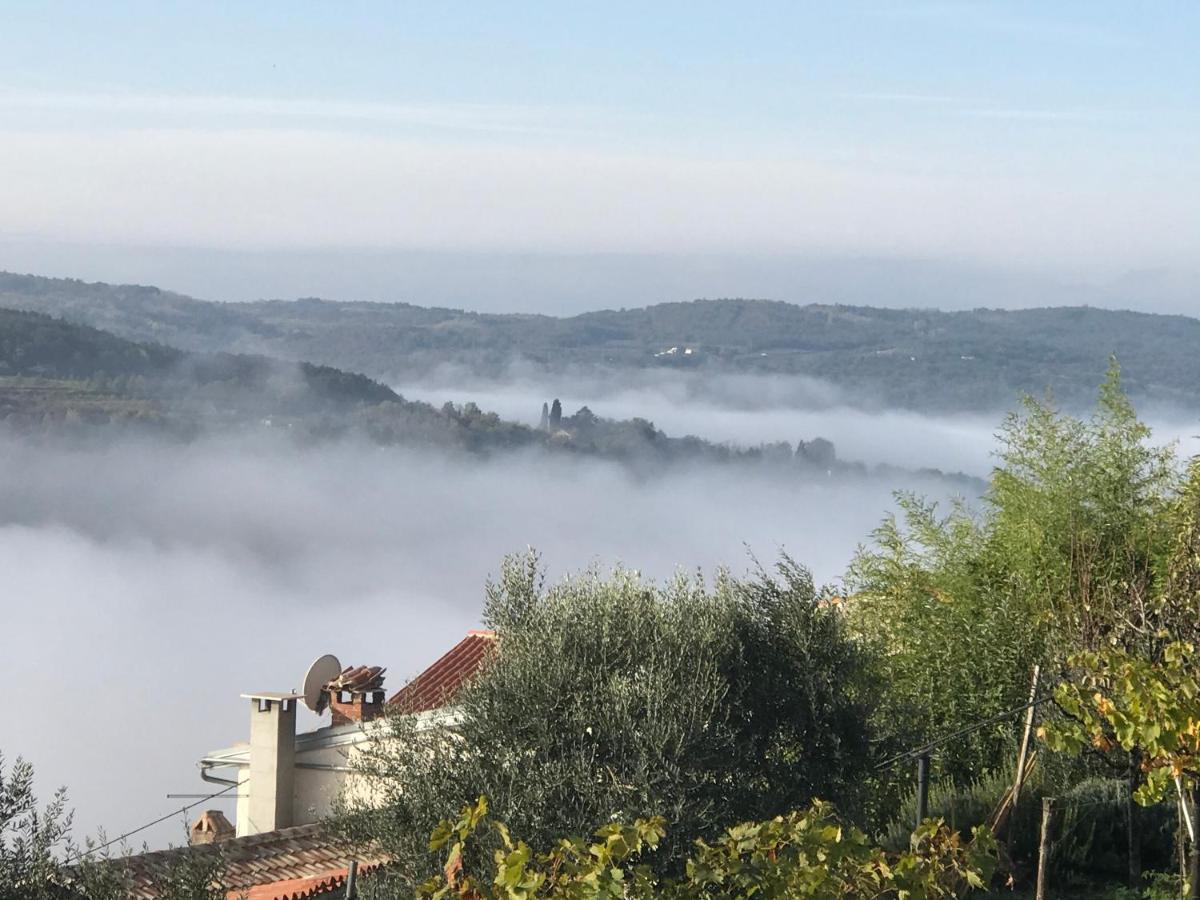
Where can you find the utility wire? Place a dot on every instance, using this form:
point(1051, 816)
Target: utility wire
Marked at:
point(908, 754)
point(962, 732)
point(141, 828)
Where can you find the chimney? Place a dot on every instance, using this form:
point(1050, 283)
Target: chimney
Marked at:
point(211, 828)
point(356, 695)
point(272, 760)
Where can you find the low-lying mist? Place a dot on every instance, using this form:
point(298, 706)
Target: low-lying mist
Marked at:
point(745, 409)
point(750, 409)
point(148, 583)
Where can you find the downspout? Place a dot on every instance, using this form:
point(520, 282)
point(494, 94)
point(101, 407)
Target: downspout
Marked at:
point(206, 767)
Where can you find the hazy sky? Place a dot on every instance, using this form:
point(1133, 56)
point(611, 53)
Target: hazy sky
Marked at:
point(149, 141)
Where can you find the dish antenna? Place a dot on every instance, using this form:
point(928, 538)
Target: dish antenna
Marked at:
point(320, 673)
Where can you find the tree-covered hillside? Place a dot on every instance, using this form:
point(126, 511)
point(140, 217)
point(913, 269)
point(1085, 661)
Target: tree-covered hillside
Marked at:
point(919, 359)
point(34, 344)
point(52, 370)
point(55, 373)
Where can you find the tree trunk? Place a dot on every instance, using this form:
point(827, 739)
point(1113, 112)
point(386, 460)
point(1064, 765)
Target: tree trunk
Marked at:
point(1133, 838)
point(1044, 847)
point(1193, 851)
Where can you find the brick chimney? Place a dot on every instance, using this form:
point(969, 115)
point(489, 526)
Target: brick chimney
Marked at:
point(211, 828)
point(356, 695)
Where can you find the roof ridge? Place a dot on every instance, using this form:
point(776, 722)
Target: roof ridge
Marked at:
point(440, 680)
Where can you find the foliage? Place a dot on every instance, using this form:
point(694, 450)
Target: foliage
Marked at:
point(1079, 520)
point(952, 653)
point(1065, 555)
point(29, 837)
point(35, 344)
point(801, 854)
point(1118, 700)
point(1175, 614)
point(1090, 837)
point(35, 847)
point(617, 699)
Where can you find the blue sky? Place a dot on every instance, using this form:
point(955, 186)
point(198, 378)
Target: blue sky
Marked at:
point(1062, 136)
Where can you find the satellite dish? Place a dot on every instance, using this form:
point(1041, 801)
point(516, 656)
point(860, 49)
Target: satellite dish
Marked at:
point(320, 673)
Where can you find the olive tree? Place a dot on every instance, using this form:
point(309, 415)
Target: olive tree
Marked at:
point(40, 861)
point(615, 698)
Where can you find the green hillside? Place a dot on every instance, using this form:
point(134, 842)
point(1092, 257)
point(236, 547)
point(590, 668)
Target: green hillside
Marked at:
point(977, 360)
point(57, 374)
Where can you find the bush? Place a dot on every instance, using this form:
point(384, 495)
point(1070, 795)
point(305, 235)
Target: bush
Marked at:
point(615, 699)
point(809, 854)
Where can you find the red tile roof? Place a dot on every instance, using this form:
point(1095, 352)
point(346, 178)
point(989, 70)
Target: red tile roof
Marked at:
point(299, 888)
point(305, 859)
point(437, 685)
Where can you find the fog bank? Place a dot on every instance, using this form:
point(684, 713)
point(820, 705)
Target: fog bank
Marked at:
point(148, 584)
point(750, 409)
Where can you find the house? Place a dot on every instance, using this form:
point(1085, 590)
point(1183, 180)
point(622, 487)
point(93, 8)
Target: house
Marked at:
point(286, 779)
point(287, 782)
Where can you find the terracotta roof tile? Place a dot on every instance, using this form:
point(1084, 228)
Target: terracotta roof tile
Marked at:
point(255, 865)
point(300, 888)
point(437, 685)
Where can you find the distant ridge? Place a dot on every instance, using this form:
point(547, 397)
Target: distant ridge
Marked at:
point(70, 380)
point(924, 359)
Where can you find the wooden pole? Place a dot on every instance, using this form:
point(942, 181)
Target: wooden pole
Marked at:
point(351, 876)
point(1044, 846)
point(1181, 845)
point(922, 788)
point(1020, 779)
point(1193, 852)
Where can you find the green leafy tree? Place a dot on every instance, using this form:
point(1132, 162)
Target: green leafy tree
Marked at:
point(1143, 712)
point(1118, 701)
point(614, 698)
point(1065, 555)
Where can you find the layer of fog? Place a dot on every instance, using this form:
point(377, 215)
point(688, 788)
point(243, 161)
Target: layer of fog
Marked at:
point(753, 409)
point(147, 585)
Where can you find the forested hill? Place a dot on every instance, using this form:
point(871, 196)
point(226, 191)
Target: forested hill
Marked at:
point(920, 359)
point(51, 369)
point(34, 344)
point(58, 375)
